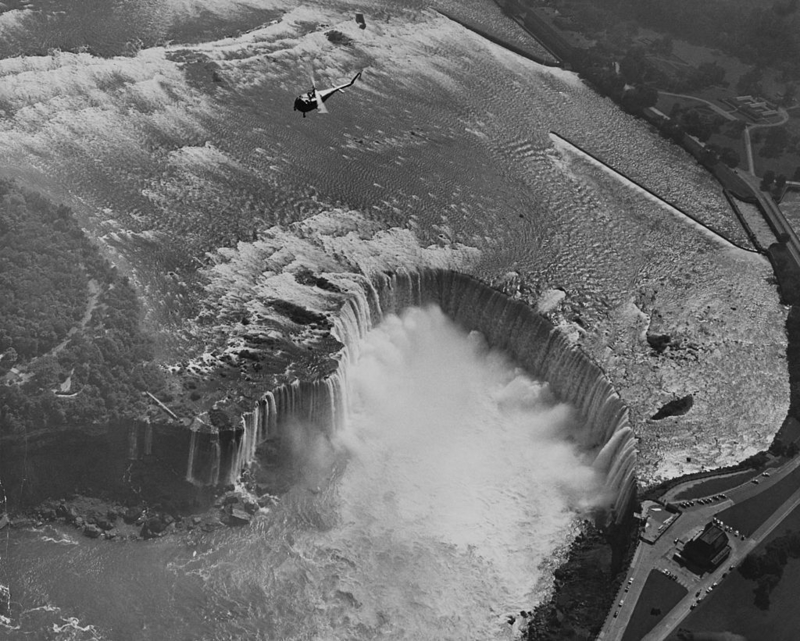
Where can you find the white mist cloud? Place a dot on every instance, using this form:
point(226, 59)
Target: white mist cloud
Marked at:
point(453, 447)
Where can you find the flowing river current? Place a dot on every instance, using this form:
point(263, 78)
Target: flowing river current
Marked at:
point(444, 504)
point(437, 510)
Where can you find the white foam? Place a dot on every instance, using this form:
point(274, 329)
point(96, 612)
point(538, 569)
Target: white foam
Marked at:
point(459, 460)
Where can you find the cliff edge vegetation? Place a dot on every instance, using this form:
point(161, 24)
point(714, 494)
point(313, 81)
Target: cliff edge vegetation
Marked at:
point(71, 349)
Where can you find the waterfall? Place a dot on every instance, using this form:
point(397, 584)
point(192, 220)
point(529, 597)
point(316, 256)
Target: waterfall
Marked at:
point(507, 325)
point(148, 438)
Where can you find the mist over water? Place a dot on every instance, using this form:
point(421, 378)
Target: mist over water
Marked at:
point(439, 509)
point(461, 481)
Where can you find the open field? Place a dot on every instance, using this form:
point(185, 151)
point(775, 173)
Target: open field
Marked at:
point(750, 514)
point(790, 524)
point(660, 593)
point(730, 609)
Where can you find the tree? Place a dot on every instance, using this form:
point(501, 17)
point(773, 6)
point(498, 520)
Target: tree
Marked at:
point(730, 157)
point(633, 65)
point(709, 157)
point(789, 94)
point(796, 174)
point(663, 45)
point(735, 128)
point(750, 82)
point(639, 98)
point(697, 125)
point(7, 360)
point(775, 142)
point(707, 74)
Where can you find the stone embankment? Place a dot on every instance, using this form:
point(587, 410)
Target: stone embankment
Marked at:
point(678, 211)
point(554, 62)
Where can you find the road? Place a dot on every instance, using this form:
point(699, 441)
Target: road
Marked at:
point(722, 112)
point(24, 374)
point(659, 555)
point(740, 550)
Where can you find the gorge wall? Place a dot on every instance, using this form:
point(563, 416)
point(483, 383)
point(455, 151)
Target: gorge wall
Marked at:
point(508, 325)
point(180, 463)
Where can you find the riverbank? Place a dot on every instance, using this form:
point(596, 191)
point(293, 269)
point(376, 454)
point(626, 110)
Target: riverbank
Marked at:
point(586, 583)
point(530, 55)
point(579, 603)
point(112, 520)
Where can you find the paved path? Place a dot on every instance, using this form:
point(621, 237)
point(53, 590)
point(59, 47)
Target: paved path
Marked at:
point(740, 550)
point(25, 374)
point(659, 555)
point(725, 114)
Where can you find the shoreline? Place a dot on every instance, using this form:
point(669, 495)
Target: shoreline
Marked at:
point(550, 620)
point(502, 43)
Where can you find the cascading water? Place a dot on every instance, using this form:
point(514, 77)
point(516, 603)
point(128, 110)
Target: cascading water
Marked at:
point(438, 508)
point(460, 482)
point(507, 325)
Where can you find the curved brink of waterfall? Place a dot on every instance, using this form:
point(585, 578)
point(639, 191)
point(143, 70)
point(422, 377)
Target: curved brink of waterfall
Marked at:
point(508, 325)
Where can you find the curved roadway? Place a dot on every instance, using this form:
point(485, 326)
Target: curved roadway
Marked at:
point(659, 556)
point(716, 108)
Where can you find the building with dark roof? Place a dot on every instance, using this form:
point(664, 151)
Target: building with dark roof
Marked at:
point(708, 549)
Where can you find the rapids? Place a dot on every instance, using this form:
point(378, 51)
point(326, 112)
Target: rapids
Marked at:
point(439, 507)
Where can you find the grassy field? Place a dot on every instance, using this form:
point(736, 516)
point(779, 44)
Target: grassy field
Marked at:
point(790, 524)
point(730, 610)
point(660, 593)
point(715, 485)
point(785, 165)
point(748, 515)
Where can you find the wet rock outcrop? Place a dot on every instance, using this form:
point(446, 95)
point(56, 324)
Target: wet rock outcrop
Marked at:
point(675, 407)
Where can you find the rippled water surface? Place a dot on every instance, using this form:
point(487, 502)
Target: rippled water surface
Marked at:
point(169, 152)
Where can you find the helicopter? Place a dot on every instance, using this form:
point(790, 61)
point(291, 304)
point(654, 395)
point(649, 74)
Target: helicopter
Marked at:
point(315, 99)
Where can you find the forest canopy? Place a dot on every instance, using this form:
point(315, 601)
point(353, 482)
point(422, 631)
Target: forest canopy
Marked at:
point(72, 350)
point(763, 32)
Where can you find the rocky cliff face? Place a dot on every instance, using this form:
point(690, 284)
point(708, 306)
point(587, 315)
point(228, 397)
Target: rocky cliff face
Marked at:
point(283, 319)
point(507, 325)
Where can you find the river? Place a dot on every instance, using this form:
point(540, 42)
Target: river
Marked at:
point(177, 149)
point(442, 506)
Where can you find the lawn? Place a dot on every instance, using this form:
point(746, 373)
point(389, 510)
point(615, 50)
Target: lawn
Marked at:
point(790, 523)
point(659, 592)
point(748, 515)
point(730, 609)
point(715, 485)
point(789, 161)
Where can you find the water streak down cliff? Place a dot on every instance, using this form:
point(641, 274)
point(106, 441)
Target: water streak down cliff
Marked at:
point(508, 325)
